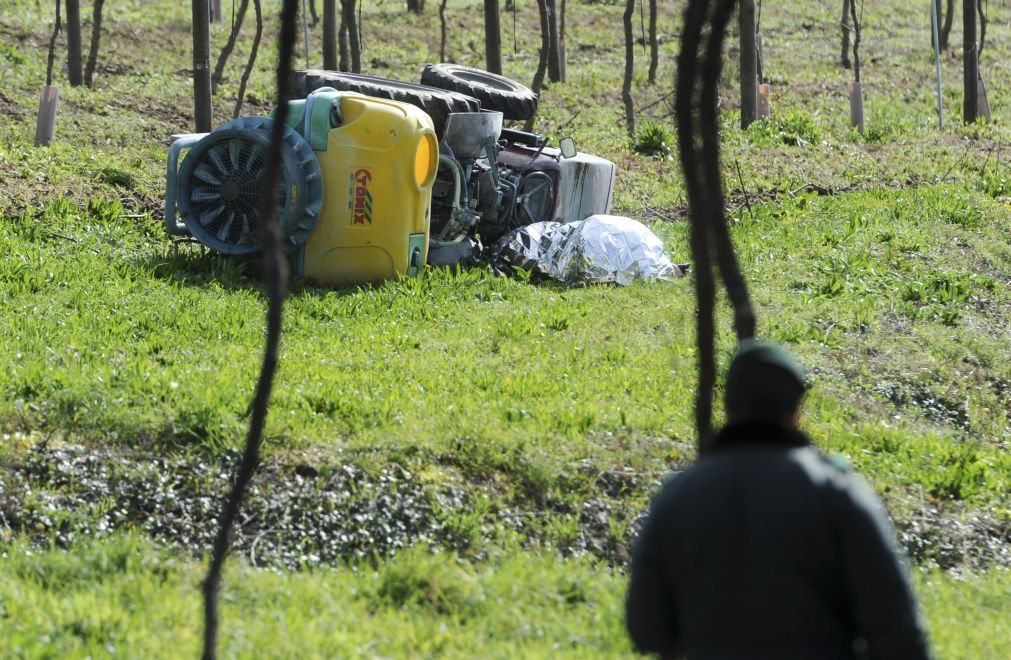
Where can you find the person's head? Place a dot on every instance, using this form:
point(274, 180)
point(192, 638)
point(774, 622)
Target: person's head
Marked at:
point(764, 384)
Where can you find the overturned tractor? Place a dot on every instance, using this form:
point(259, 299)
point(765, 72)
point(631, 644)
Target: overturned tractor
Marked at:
point(380, 176)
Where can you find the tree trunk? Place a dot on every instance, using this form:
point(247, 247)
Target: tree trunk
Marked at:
point(542, 59)
point(415, 6)
point(342, 43)
point(313, 13)
point(749, 63)
point(354, 43)
point(856, 89)
point(442, 31)
point(935, 10)
point(949, 18)
point(51, 59)
point(226, 52)
point(252, 58)
point(330, 35)
point(626, 87)
point(982, 28)
point(74, 68)
point(275, 286)
point(760, 53)
point(855, 21)
point(49, 100)
point(554, 65)
point(201, 66)
point(844, 59)
point(96, 35)
point(563, 65)
point(970, 57)
point(492, 37)
point(306, 41)
point(654, 43)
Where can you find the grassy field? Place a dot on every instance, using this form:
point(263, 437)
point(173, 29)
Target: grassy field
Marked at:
point(457, 464)
point(126, 598)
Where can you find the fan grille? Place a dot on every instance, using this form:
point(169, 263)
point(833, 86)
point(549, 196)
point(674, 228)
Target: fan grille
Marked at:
point(222, 187)
point(225, 190)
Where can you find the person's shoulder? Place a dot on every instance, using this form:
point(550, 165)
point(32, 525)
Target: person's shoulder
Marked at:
point(834, 473)
point(832, 469)
point(674, 487)
point(707, 475)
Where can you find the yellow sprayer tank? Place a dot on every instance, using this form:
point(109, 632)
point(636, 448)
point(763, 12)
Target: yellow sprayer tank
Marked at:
point(378, 160)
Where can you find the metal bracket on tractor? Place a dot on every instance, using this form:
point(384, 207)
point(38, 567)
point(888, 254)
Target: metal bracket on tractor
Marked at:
point(380, 175)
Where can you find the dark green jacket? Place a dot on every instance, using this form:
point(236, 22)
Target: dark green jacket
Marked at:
point(767, 549)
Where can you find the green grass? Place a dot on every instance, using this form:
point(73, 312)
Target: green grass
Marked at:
point(116, 337)
point(130, 599)
point(126, 598)
point(530, 398)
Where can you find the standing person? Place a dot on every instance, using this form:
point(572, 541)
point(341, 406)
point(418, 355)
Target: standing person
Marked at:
point(766, 548)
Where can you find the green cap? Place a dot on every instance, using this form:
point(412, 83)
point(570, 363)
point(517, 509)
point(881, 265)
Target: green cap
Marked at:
point(763, 381)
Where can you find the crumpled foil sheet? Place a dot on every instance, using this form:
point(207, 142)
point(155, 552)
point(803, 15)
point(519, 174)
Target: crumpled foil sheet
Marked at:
point(599, 249)
point(522, 247)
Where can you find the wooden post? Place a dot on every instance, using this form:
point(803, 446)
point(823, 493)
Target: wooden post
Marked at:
point(492, 37)
point(970, 100)
point(330, 35)
point(201, 67)
point(749, 63)
point(554, 63)
point(75, 70)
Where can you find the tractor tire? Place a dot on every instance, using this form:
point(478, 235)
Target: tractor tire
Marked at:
point(438, 103)
point(513, 100)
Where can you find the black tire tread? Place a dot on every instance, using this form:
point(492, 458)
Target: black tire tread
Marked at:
point(437, 102)
point(513, 100)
